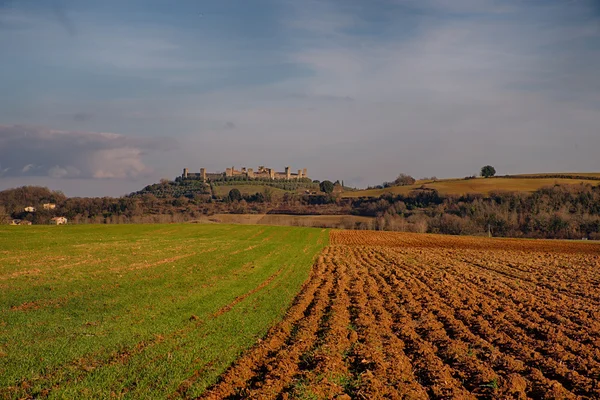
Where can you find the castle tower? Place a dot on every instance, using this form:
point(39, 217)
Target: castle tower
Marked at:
point(229, 172)
point(203, 174)
point(299, 174)
point(271, 173)
point(304, 174)
point(185, 173)
point(288, 175)
point(250, 173)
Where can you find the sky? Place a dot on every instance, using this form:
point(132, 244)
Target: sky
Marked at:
point(103, 98)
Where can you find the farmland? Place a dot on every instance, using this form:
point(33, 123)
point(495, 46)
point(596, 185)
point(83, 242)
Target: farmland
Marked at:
point(396, 315)
point(140, 311)
point(525, 183)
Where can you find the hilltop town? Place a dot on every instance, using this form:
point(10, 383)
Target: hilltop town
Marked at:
point(261, 173)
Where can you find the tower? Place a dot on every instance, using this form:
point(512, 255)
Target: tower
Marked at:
point(299, 174)
point(304, 174)
point(287, 173)
point(185, 173)
point(203, 174)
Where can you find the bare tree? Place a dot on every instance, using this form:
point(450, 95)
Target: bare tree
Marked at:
point(4, 217)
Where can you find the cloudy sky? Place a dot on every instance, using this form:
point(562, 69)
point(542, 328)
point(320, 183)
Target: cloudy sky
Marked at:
point(102, 98)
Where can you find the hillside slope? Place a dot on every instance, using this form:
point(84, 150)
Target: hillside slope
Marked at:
point(512, 183)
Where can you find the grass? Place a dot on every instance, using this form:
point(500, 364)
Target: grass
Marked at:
point(140, 311)
point(479, 185)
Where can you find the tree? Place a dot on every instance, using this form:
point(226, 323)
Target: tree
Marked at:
point(268, 194)
point(488, 171)
point(404, 180)
point(4, 217)
point(326, 187)
point(235, 195)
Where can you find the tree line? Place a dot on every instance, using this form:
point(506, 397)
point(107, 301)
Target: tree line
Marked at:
point(560, 211)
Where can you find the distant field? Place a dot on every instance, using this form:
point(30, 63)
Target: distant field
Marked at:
point(574, 174)
point(140, 311)
point(324, 221)
point(278, 193)
point(480, 185)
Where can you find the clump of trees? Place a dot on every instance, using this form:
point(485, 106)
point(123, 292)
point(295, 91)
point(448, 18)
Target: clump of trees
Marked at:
point(558, 212)
point(404, 180)
point(488, 171)
point(401, 180)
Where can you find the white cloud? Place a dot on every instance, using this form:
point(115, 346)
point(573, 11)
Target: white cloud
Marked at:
point(73, 154)
point(27, 168)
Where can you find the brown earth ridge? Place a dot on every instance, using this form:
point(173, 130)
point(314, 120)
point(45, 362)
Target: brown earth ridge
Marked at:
point(405, 316)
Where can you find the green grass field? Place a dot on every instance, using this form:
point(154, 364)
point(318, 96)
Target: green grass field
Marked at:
point(277, 193)
point(140, 311)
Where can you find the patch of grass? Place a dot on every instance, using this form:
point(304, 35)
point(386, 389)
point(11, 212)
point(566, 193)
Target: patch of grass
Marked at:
point(142, 311)
point(349, 383)
point(301, 391)
point(493, 384)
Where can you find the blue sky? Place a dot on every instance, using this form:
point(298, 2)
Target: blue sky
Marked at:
point(102, 98)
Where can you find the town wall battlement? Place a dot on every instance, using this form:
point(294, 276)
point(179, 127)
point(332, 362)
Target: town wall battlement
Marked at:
point(250, 173)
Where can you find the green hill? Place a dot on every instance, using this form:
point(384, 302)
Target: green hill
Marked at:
point(220, 188)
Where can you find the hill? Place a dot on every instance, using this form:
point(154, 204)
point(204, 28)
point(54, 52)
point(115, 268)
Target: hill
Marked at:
point(509, 183)
point(219, 189)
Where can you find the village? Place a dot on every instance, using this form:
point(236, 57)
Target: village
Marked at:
point(31, 210)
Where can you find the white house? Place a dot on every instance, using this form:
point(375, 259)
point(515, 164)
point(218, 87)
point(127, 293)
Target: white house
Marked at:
point(58, 221)
point(30, 209)
point(49, 206)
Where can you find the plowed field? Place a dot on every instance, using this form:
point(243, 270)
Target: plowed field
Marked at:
point(391, 315)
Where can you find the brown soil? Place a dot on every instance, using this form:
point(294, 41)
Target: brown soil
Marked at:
point(402, 316)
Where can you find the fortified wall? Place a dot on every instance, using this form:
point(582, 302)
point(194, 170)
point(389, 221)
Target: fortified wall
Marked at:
point(250, 173)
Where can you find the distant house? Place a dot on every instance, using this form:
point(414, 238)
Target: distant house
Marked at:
point(49, 206)
point(58, 221)
point(30, 209)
